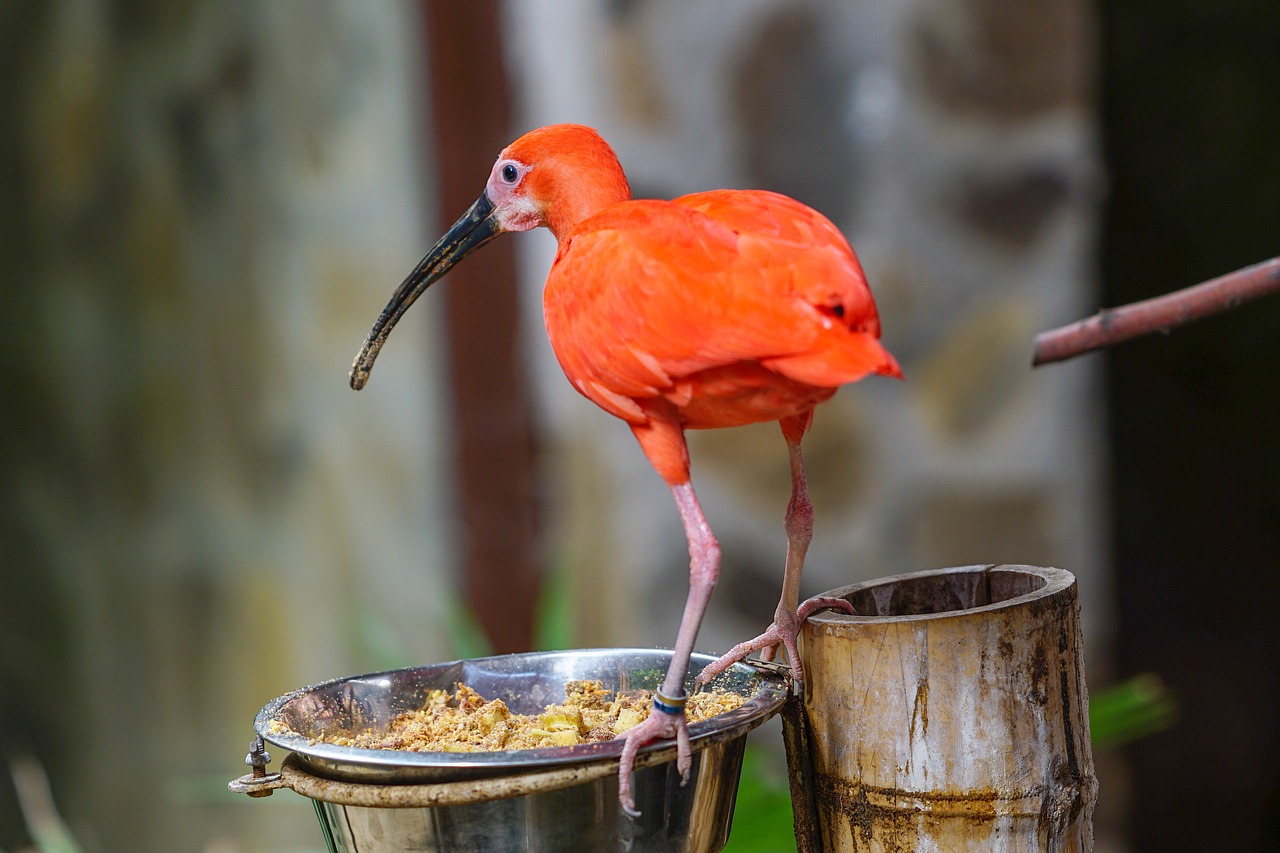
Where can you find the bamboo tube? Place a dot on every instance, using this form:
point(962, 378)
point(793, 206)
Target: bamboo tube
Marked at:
point(951, 714)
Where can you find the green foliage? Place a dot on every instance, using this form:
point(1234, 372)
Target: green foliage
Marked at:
point(553, 619)
point(378, 646)
point(1131, 710)
point(463, 628)
point(762, 816)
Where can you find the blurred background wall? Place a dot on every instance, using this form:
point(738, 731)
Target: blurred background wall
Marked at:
point(206, 204)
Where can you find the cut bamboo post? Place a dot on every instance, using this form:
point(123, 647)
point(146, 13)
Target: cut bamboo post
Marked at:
point(951, 714)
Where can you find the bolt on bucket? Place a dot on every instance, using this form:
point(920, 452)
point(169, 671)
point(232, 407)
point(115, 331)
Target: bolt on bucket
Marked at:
point(949, 712)
point(546, 800)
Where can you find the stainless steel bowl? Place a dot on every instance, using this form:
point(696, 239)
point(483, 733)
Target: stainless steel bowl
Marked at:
point(561, 799)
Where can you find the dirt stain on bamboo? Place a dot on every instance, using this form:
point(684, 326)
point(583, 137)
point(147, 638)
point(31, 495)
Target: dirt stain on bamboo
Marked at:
point(893, 819)
point(895, 830)
point(1039, 693)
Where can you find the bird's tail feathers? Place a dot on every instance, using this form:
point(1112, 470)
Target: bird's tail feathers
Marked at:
point(848, 361)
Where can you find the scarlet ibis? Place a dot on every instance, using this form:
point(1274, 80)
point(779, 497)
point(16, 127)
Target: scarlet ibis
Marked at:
point(717, 309)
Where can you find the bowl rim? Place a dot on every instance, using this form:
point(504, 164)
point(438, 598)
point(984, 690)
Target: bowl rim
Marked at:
point(769, 682)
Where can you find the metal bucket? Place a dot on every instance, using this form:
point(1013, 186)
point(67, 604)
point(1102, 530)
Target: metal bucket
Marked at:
point(560, 799)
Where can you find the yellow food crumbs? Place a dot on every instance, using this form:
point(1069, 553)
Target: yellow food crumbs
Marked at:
point(467, 722)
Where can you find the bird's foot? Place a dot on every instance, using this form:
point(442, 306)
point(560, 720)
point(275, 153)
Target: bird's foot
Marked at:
point(782, 633)
point(659, 725)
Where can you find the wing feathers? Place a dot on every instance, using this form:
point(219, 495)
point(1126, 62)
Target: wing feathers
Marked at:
point(648, 292)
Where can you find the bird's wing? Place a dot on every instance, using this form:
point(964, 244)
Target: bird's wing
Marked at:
point(782, 234)
point(649, 292)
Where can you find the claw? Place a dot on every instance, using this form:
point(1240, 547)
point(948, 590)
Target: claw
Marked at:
point(657, 726)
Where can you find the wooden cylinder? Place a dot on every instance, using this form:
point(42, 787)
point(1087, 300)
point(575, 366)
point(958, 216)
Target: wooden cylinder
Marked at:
point(951, 714)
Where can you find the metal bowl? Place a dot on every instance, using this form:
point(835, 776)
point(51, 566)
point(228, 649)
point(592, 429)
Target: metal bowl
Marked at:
point(559, 799)
point(525, 682)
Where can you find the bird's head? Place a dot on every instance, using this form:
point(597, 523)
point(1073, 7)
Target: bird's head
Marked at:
point(555, 176)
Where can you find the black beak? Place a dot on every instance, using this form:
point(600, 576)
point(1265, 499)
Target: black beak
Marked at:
point(472, 230)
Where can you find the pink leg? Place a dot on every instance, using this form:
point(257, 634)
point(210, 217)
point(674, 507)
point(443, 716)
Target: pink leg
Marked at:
point(789, 616)
point(704, 569)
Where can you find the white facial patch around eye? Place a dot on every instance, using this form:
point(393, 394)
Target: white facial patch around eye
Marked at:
point(519, 213)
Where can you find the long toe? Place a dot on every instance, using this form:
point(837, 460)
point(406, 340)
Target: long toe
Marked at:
point(782, 633)
point(657, 726)
point(810, 606)
point(770, 639)
point(806, 609)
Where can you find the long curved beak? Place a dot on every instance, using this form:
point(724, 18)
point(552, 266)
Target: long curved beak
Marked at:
point(472, 230)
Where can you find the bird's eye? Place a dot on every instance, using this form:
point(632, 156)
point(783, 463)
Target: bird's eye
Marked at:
point(510, 173)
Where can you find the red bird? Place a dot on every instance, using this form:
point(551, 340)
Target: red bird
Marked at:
point(716, 309)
